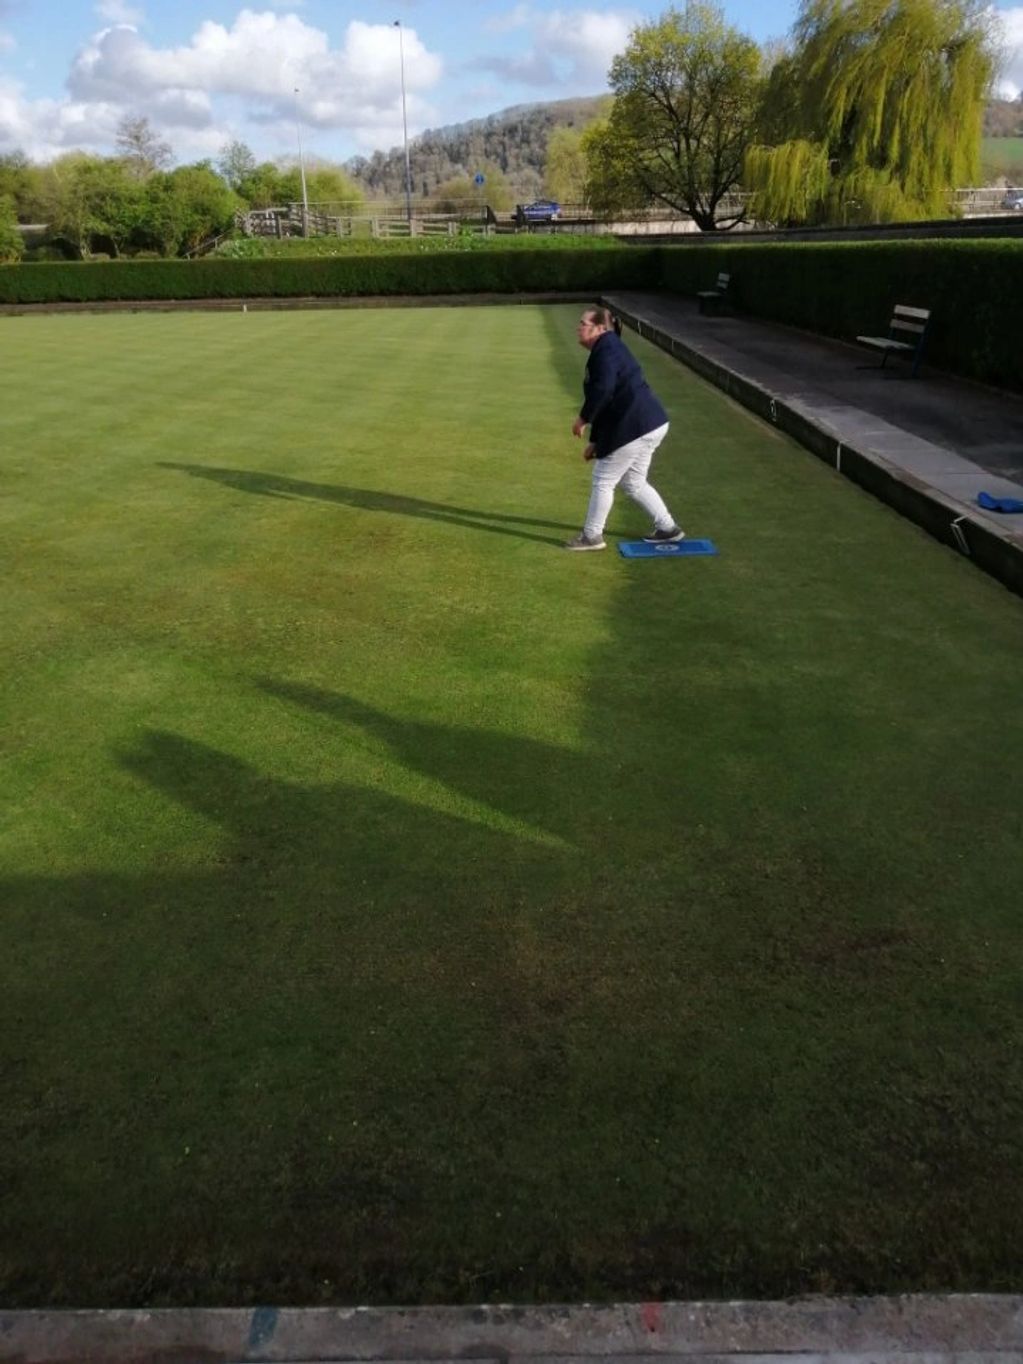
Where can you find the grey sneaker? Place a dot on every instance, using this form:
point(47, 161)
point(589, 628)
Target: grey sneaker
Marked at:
point(665, 537)
point(584, 542)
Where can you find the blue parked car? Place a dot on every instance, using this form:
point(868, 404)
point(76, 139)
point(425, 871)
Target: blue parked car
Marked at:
point(1014, 199)
point(540, 211)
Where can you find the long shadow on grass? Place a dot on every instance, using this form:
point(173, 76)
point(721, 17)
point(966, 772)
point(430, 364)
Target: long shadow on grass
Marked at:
point(369, 499)
point(324, 1065)
point(696, 1024)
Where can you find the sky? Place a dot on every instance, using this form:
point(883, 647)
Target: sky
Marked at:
point(324, 72)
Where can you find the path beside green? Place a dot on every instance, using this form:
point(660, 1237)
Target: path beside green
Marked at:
point(396, 909)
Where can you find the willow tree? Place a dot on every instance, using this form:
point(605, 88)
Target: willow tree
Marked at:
point(875, 114)
point(564, 172)
point(686, 92)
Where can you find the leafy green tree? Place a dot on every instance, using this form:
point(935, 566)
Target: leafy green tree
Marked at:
point(16, 179)
point(141, 148)
point(182, 208)
point(875, 114)
point(236, 163)
point(11, 242)
point(90, 201)
point(565, 162)
point(565, 168)
point(268, 186)
point(687, 91)
point(205, 206)
point(160, 222)
point(330, 186)
point(461, 194)
point(611, 184)
point(23, 181)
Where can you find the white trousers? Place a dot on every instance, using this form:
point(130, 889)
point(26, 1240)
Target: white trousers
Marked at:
point(628, 466)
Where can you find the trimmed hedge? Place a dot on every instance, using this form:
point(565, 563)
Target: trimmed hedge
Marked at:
point(834, 288)
point(476, 272)
point(847, 289)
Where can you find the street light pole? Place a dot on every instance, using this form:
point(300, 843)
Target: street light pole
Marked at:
point(301, 167)
point(404, 126)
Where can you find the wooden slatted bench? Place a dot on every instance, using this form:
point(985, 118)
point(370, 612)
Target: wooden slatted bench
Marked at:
point(713, 300)
point(908, 323)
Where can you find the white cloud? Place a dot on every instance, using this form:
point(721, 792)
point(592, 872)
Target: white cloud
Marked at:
point(588, 40)
point(1010, 76)
point(181, 109)
point(518, 17)
point(45, 128)
point(119, 12)
point(261, 57)
point(7, 43)
point(532, 68)
point(205, 92)
point(570, 51)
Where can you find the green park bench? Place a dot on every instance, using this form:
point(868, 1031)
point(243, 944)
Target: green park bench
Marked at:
point(713, 300)
point(907, 332)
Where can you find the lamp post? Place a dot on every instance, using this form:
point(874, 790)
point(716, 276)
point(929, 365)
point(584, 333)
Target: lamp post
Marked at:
point(301, 168)
point(404, 126)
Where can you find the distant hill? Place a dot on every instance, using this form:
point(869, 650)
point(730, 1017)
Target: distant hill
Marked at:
point(514, 140)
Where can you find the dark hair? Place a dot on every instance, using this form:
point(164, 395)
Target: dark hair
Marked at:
point(604, 317)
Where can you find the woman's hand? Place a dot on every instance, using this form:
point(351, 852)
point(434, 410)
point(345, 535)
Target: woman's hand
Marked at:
point(590, 452)
point(578, 426)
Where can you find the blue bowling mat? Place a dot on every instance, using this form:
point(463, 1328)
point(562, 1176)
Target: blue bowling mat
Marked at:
point(639, 549)
point(999, 504)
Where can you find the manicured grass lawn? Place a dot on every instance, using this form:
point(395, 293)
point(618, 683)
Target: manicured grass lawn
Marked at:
point(396, 909)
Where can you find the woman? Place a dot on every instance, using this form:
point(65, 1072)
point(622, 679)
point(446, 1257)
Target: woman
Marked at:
point(627, 424)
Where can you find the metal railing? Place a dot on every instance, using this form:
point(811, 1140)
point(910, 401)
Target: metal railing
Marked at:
point(210, 244)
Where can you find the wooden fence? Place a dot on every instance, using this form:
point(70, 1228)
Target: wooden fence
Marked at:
point(294, 220)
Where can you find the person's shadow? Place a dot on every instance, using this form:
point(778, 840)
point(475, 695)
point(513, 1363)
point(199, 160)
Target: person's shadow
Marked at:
point(369, 499)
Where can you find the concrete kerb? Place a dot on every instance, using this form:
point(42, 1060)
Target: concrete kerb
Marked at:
point(959, 525)
point(915, 1329)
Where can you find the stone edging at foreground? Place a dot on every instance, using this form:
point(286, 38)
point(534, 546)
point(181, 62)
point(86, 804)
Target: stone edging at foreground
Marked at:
point(916, 1329)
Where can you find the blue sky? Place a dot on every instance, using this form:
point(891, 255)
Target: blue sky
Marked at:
point(205, 72)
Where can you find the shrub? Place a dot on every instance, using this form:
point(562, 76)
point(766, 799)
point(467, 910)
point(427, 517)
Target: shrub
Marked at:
point(41, 253)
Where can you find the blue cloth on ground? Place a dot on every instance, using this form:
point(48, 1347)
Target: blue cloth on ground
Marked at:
point(999, 504)
point(639, 549)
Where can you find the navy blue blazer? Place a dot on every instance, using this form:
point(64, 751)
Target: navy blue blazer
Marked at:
point(618, 403)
